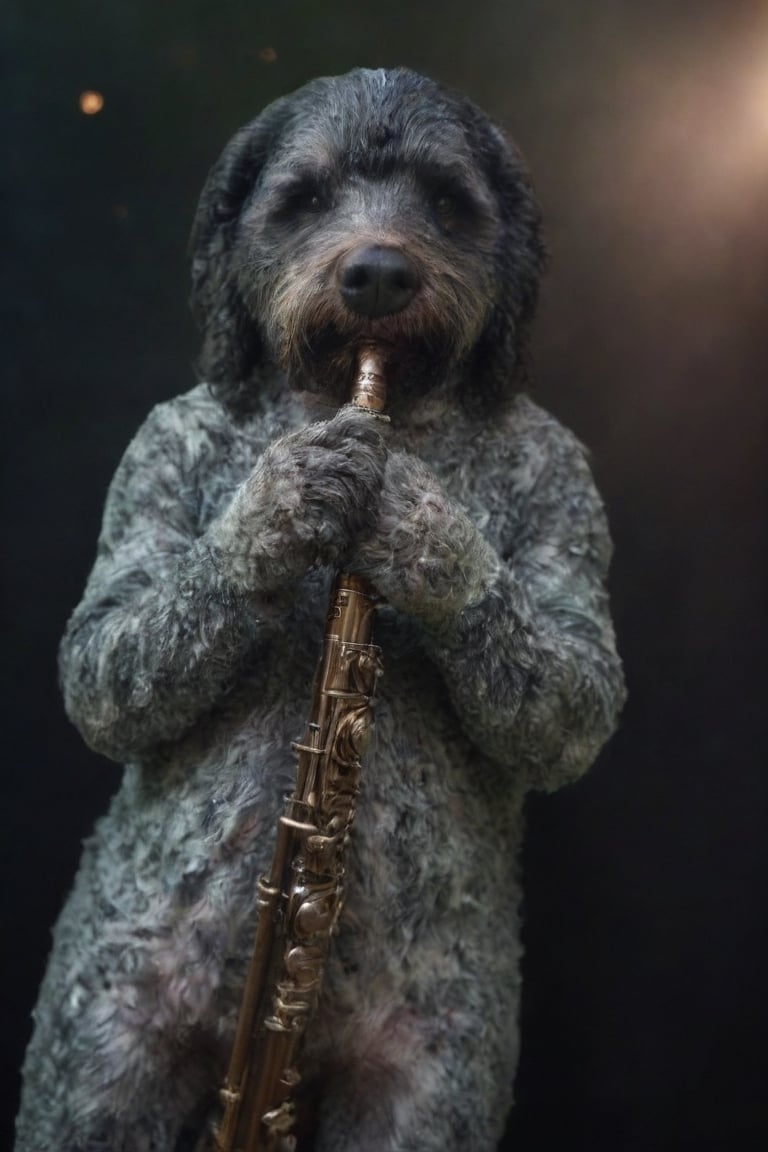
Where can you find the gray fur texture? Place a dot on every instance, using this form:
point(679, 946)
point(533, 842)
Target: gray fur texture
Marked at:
point(191, 655)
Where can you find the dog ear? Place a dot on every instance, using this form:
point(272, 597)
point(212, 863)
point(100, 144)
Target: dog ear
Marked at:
point(232, 346)
point(501, 354)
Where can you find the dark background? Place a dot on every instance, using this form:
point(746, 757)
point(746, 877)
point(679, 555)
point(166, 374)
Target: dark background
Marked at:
point(646, 127)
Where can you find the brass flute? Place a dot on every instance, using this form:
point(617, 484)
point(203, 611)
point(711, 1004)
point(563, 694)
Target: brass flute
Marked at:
point(300, 898)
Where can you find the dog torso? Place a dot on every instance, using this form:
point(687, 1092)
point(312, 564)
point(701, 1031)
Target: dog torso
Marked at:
point(433, 890)
point(199, 814)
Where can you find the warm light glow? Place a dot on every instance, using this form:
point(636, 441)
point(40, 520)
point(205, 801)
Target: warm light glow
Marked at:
point(91, 103)
point(267, 55)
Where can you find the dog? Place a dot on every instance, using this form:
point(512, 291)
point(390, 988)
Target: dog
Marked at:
point(375, 206)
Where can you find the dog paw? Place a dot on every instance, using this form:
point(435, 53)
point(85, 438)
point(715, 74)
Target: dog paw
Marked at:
point(424, 554)
point(309, 497)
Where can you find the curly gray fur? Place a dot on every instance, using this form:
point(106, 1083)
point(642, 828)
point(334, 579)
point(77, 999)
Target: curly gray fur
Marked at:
point(191, 655)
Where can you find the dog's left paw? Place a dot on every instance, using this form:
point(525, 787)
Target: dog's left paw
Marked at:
point(424, 555)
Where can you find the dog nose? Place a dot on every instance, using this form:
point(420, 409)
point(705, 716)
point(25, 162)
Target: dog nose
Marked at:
point(375, 281)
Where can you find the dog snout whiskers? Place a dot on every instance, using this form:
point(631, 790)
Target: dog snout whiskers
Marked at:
point(377, 280)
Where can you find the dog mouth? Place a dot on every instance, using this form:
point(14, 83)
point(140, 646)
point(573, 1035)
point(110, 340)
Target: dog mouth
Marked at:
point(326, 360)
point(415, 305)
point(420, 345)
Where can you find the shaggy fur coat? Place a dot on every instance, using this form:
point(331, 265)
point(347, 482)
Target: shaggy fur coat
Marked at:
point(190, 660)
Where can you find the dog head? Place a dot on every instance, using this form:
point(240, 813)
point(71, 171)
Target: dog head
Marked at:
point(372, 206)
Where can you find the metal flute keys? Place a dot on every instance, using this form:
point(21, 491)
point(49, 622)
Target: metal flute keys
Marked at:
point(300, 897)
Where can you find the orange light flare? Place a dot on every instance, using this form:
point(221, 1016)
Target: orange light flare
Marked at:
point(719, 126)
point(679, 158)
point(90, 102)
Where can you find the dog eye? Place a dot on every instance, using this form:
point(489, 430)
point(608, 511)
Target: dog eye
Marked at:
point(296, 199)
point(446, 205)
point(305, 198)
point(309, 201)
point(452, 209)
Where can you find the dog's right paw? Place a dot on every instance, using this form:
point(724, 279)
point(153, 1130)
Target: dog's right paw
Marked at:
point(342, 463)
point(309, 497)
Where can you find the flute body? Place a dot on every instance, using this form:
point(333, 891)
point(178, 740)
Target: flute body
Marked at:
point(300, 898)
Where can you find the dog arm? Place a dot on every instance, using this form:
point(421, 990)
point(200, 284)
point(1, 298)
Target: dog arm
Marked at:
point(523, 638)
point(531, 664)
point(537, 686)
point(162, 631)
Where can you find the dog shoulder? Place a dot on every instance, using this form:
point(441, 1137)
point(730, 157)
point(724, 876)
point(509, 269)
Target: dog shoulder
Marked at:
point(538, 449)
point(191, 425)
point(537, 474)
point(196, 433)
point(180, 445)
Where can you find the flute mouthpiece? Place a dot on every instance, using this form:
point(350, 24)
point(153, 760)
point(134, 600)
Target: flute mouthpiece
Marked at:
point(370, 386)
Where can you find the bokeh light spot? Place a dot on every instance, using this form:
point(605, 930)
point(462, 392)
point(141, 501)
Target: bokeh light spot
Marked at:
point(91, 102)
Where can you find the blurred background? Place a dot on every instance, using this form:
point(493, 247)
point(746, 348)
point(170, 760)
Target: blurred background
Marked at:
point(646, 128)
